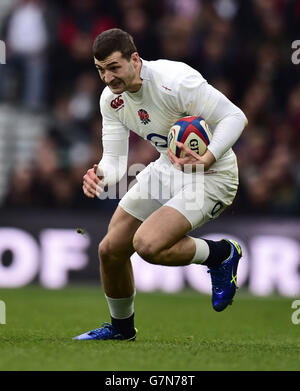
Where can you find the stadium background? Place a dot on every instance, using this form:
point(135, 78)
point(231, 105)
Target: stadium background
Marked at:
point(50, 133)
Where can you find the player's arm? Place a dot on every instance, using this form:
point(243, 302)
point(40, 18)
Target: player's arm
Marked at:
point(113, 164)
point(224, 116)
point(197, 97)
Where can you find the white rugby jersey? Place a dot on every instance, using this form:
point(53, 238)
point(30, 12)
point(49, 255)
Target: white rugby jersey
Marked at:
point(170, 90)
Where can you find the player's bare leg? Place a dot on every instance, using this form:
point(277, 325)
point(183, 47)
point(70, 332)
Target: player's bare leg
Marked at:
point(117, 278)
point(162, 238)
point(114, 253)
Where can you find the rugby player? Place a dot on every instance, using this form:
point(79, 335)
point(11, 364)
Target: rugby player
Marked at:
point(148, 97)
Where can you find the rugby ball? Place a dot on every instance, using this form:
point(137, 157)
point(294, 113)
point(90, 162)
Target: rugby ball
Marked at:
point(192, 132)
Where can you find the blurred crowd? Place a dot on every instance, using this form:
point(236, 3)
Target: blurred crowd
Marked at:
point(242, 47)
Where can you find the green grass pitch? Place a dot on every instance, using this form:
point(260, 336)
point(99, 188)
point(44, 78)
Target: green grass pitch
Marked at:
point(177, 332)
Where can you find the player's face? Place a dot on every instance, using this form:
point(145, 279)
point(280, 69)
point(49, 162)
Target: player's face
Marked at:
point(119, 74)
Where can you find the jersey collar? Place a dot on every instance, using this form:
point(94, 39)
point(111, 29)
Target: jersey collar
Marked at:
point(144, 70)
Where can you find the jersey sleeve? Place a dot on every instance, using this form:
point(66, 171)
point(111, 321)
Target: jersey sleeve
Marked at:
point(198, 98)
point(115, 138)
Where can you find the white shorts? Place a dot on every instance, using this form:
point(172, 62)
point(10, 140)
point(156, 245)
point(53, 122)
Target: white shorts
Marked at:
point(199, 197)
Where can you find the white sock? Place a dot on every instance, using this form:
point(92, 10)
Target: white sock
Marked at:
point(202, 251)
point(121, 308)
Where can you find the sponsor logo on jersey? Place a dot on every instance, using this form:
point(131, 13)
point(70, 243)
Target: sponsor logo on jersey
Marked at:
point(144, 116)
point(117, 103)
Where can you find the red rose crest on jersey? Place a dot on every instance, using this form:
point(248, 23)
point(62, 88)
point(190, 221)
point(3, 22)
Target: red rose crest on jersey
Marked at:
point(117, 103)
point(144, 116)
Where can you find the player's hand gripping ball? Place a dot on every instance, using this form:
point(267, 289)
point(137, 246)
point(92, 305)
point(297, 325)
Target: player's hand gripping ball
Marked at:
point(193, 132)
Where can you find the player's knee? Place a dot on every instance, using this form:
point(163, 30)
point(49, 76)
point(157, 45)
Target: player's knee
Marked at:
point(106, 251)
point(110, 252)
point(145, 248)
point(103, 249)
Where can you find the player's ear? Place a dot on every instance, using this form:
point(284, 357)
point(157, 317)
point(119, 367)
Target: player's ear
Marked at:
point(135, 58)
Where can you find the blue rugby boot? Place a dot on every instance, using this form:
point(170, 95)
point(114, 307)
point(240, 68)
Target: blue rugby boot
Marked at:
point(105, 332)
point(224, 278)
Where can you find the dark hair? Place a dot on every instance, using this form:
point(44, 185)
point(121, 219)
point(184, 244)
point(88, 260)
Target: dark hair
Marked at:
point(111, 41)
